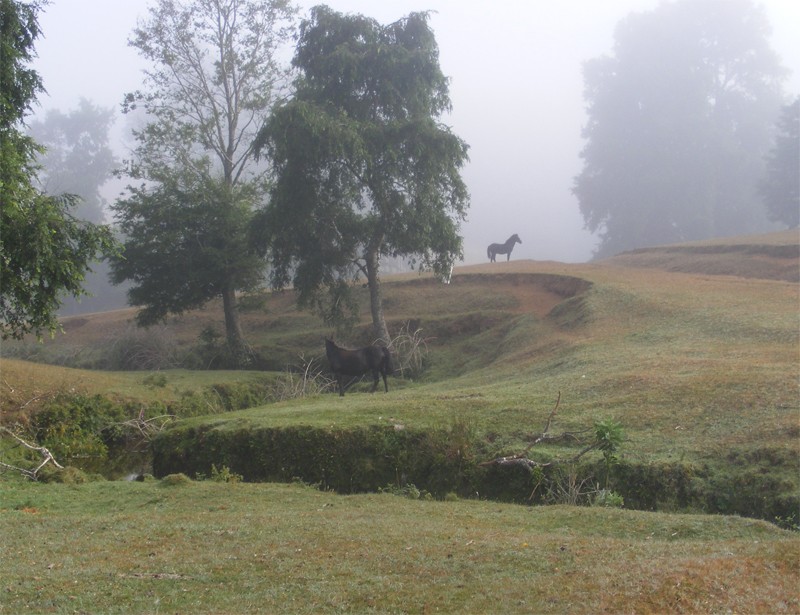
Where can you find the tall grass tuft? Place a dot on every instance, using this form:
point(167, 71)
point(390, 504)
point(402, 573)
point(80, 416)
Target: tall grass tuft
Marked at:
point(409, 352)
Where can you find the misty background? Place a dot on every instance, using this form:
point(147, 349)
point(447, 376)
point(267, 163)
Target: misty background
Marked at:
point(516, 88)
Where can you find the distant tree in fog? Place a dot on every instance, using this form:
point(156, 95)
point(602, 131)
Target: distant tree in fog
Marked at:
point(364, 168)
point(77, 157)
point(214, 77)
point(78, 160)
point(781, 185)
point(680, 117)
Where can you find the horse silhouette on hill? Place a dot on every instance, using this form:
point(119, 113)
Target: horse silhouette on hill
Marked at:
point(357, 362)
point(503, 248)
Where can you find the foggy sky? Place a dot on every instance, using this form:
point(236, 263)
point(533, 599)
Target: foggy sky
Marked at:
point(516, 88)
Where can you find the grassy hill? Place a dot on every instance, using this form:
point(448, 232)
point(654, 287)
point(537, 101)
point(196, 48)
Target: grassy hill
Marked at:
point(692, 349)
point(697, 368)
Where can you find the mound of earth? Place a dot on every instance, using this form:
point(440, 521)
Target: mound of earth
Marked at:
point(775, 256)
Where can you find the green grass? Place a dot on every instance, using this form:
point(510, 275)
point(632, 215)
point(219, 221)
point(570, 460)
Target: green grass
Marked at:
point(699, 369)
point(231, 548)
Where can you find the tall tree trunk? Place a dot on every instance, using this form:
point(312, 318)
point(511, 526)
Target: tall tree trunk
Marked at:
point(375, 299)
point(233, 328)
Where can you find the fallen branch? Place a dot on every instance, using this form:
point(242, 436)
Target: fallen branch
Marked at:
point(46, 455)
point(148, 428)
point(522, 459)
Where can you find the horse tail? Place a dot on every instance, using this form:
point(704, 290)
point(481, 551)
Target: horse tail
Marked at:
point(489, 252)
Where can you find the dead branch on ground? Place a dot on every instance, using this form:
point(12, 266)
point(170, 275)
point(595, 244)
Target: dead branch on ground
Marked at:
point(522, 458)
point(47, 457)
point(148, 428)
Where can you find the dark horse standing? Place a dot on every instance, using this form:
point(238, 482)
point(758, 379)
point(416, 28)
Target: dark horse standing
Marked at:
point(344, 362)
point(503, 248)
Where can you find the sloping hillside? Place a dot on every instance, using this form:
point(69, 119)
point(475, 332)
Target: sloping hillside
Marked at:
point(775, 256)
point(701, 370)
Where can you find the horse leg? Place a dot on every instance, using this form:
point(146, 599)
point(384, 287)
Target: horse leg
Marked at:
point(385, 385)
point(341, 386)
point(376, 378)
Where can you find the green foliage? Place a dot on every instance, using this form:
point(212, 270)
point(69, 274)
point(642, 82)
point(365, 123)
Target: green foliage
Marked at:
point(347, 460)
point(608, 499)
point(175, 480)
point(780, 188)
point(680, 117)
point(44, 251)
point(364, 168)
point(608, 437)
point(187, 220)
point(78, 430)
point(185, 240)
point(155, 380)
point(407, 491)
point(224, 475)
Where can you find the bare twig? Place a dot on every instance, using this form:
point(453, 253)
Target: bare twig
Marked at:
point(47, 456)
point(522, 458)
point(148, 428)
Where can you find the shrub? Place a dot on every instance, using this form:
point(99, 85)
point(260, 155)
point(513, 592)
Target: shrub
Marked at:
point(78, 429)
point(306, 379)
point(409, 352)
point(608, 499)
point(175, 480)
point(224, 475)
point(143, 349)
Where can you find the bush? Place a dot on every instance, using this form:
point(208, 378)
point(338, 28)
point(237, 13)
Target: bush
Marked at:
point(409, 352)
point(79, 429)
point(175, 480)
point(143, 349)
point(608, 499)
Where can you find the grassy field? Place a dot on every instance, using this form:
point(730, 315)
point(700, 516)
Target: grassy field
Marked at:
point(234, 548)
point(693, 349)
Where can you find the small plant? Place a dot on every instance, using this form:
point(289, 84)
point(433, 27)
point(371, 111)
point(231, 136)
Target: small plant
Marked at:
point(567, 487)
point(408, 490)
point(224, 475)
point(143, 349)
point(409, 352)
point(155, 380)
point(608, 499)
point(608, 438)
point(175, 480)
point(305, 380)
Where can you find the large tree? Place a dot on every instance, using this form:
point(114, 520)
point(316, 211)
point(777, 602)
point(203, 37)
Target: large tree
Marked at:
point(780, 188)
point(215, 75)
point(364, 166)
point(680, 117)
point(44, 250)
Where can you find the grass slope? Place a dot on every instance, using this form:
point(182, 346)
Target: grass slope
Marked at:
point(696, 367)
point(233, 548)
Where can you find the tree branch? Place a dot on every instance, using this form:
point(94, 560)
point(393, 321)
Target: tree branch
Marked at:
point(47, 456)
point(522, 458)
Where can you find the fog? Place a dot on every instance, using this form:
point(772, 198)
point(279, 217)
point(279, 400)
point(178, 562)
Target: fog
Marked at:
point(516, 89)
